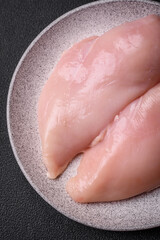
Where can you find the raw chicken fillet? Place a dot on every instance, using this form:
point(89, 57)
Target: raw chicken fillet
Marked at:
point(103, 99)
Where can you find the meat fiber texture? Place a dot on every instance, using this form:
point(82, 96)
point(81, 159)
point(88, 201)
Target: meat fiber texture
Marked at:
point(103, 99)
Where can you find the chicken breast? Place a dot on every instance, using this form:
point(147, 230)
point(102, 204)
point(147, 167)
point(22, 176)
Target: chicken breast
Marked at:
point(127, 161)
point(93, 81)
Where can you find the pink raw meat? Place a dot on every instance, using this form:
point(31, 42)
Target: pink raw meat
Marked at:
point(93, 82)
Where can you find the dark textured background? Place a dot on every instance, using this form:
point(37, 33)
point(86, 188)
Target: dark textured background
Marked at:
point(23, 213)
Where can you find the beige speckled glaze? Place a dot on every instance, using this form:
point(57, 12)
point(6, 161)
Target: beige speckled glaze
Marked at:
point(30, 75)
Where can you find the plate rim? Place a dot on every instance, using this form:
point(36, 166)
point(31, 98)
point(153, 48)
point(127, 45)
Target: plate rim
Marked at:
point(9, 95)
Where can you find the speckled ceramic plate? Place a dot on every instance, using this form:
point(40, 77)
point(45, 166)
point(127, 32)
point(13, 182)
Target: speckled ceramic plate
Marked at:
point(30, 75)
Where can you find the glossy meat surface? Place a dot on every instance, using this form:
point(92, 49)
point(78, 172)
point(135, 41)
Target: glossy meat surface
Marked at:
point(127, 161)
point(93, 81)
